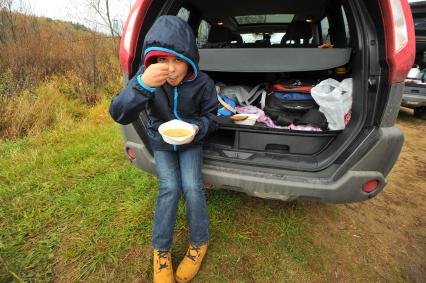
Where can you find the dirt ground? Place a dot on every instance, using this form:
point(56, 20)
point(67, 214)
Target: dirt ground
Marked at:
point(388, 232)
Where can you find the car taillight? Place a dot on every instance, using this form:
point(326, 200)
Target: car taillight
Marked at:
point(131, 153)
point(399, 36)
point(370, 186)
point(131, 32)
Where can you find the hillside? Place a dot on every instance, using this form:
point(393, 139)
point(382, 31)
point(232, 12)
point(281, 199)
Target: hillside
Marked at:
point(80, 64)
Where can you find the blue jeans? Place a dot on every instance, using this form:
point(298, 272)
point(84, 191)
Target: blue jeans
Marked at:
point(180, 171)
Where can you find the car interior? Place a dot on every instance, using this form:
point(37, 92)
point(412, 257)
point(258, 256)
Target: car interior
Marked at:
point(272, 24)
point(251, 42)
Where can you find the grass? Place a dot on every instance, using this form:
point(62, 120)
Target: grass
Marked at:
point(31, 112)
point(72, 208)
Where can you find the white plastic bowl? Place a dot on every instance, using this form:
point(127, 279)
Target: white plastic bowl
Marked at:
point(173, 124)
point(251, 119)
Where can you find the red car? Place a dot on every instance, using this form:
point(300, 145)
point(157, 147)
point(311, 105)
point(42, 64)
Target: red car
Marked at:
point(251, 42)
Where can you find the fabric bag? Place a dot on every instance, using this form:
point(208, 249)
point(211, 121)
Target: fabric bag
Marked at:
point(286, 108)
point(244, 95)
point(335, 101)
point(294, 85)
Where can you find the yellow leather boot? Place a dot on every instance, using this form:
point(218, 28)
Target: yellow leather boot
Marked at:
point(191, 263)
point(163, 270)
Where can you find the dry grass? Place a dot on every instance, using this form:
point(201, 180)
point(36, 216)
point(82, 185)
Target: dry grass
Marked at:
point(50, 71)
point(31, 113)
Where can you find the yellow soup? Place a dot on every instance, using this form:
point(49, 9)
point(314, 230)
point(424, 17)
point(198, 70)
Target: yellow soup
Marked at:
point(177, 133)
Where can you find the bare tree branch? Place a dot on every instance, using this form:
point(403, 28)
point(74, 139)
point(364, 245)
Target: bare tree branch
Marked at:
point(103, 9)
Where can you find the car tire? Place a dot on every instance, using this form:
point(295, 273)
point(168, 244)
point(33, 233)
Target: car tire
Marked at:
point(420, 113)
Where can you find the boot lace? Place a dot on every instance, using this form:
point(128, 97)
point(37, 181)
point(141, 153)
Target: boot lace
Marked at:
point(193, 248)
point(162, 255)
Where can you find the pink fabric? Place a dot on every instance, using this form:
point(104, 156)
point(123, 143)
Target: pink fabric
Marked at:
point(265, 119)
point(304, 128)
point(262, 117)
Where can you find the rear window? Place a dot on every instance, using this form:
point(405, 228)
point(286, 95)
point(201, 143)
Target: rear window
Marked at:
point(264, 19)
point(275, 38)
point(345, 20)
point(325, 28)
point(282, 24)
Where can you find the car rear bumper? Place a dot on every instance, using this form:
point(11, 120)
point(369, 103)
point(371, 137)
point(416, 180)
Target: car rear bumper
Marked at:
point(414, 97)
point(346, 189)
point(373, 165)
point(413, 100)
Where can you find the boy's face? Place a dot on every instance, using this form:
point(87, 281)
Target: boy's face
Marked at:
point(178, 68)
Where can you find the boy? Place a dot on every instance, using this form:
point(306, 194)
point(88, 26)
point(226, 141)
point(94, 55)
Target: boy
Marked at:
point(170, 86)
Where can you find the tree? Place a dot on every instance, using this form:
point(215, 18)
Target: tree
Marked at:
point(103, 10)
point(104, 16)
point(7, 21)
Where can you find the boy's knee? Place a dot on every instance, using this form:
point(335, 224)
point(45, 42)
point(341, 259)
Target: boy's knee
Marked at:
point(192, 182)
point(171, 190)
point(193, 191)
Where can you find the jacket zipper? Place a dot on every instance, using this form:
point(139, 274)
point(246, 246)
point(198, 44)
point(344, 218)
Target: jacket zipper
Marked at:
point(175, 103)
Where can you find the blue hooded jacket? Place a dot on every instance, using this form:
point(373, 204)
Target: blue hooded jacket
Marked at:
point(194, 100)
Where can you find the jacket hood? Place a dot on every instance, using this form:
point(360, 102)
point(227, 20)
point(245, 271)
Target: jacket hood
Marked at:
point(172, 35)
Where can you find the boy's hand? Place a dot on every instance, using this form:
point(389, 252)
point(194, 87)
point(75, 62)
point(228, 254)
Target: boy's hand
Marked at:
point(196, 128)
point(155, 75)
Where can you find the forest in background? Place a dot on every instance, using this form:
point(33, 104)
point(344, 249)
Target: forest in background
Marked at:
point(51, 70)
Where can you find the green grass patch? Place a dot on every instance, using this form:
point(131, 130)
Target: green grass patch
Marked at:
point(72, 208)
point(70, 198)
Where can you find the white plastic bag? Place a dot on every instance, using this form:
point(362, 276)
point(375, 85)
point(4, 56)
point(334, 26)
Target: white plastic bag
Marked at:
point(335, 101)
